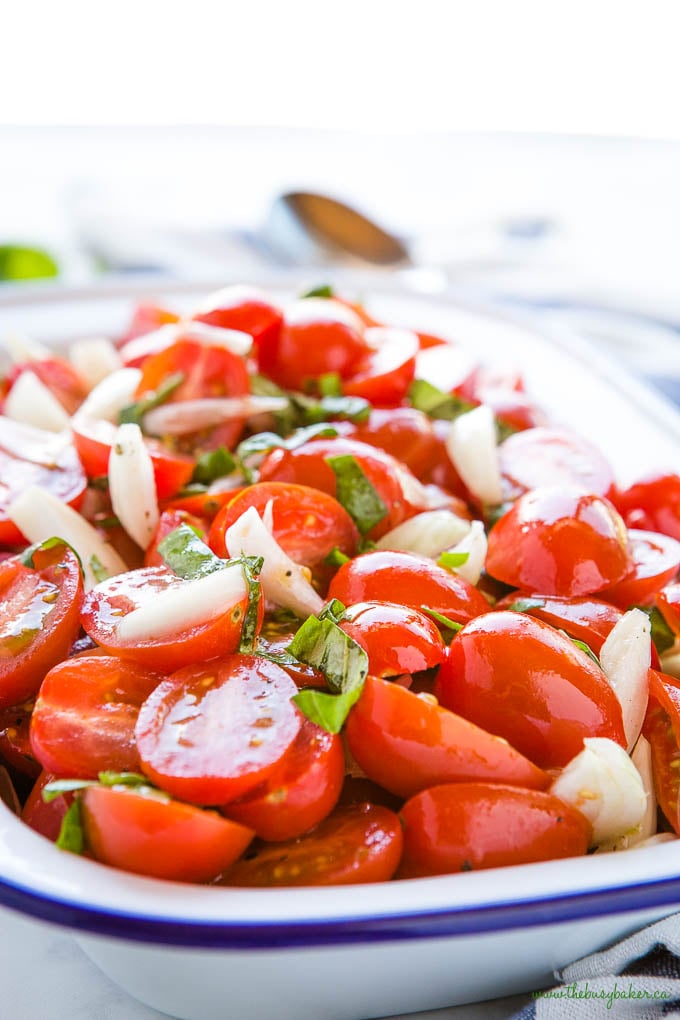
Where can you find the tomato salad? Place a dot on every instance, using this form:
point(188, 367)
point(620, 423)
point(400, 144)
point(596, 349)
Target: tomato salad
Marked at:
point(291, 596)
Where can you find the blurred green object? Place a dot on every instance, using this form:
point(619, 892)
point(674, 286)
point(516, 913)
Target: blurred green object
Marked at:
point(18, 262)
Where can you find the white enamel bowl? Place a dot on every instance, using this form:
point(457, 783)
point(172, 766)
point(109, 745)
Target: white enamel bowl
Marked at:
point(363, 951)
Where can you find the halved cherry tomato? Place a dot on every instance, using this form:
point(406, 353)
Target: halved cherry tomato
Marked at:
point(300, 793)
point(523, 680)
point(469, 826)
point(403, 432)
point(384, 376)
point(560, 541)
point(170, 520)
point(244, 309)
point(39, 619)
point(416, 581)
point(212, 732)
point(357, 843)
point(553, 456)
point(202, 504)
point(398, 639)
point(661, 733)
point(147, 317)
point(84, 718)
point(586, 619)
point(405, 743)
point(15, 744)
point(106, 603)
point(652, 504)
point(24, 461)
point(93, 441)
point(655, 559)
point(158, 837)
point(59, 376)
point(307, 523)
point(42, 816)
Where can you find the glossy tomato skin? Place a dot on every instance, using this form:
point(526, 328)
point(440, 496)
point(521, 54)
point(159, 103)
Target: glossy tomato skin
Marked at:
point(523, 680)
point(385, 375)
point(158, 838)
point(213, 732)
point(45, 817)
point(403, 432)
point(660, 731)
point(357, 843)
point(548, 456)
point(84, 718)
point(559, 541)
point(244, 309)
point(40, 619)
point(300, 793)
point(652, 504)
point(668, 601)
point(469, 826)
point(307, 523)
point(415, 581)
point(406, 743)
point(655, 562)
point(586, 619)
point(398, 639)
point(107, 602)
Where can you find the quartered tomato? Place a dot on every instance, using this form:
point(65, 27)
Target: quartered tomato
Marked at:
point(406, 743)
point(559, 541)
point(586, 619)
point(300, 793)
point(655, 561)
point(171, 628)
point(416, 581)
point(652, 504)
point(213, 732)
point(357, 843)
point(39, 619)
point(150, 835)
point(523, 680)
point(553, 456)
point(397, 638)
point(84, 718)
point(469, 826)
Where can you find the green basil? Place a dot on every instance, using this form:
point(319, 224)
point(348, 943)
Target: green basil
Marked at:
point(336, 558)
point(324, 290)
point(135, 412)
point(355, 493)
point(188, 555)
point(71, 836)
point(329, 711)
point(524, 605)
point(443, 620)
point(436, 403)
point(213, 465)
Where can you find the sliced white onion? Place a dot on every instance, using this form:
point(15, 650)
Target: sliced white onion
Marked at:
point(413, 490)
point(184, 416)
point(110, 396)
point(670, 662)
point(39, 515)
point(234, 340)
point(475, 545)
point(23, 348)
point(604, 785)
point(94, 359)
point(471, 445)
point(625, 657)
point(39, 446)
point(185, 605)
point(150, 343)
point(646, 827)
point(132, 486)
point(428, 533)
point(283, 581)
point(298, 313)
point(33, 403)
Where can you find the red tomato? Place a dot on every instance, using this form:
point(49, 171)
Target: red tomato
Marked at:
point(276, 643)
point(397, 638)
point(308, 465)
point(384, 377)
point(244, 309)
point(403, 432)
point(300, 793)
point(39, 619)
point(668, 602)
point(315, 339)
point(59, 376)
point(585, 619)
point(661, 733)
point(469, 826)
point(523, 680)
point(553, 456)
point(24, 461)
point(202, 504)
point(415, 581)
point(357, 843)
point(405, 743)
point(164, 839)
point(93, 441)
point(108, 602)
point(560, 541)
point(307, 523)
point(167, 523)
point(42, 817)
point(652, 504)
point(15, 744)
point(84, 718)
point(656, 559)
point(146, 318)
point(212, 732)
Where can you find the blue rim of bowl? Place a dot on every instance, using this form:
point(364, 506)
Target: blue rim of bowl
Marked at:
point(448, 922)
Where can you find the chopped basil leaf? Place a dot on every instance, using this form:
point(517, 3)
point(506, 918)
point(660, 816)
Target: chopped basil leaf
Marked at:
point(584, 648)
point(280, 658)
point(311, 411)
point(451, 560)
point(60, 786)
point(333, 610)
point(123, 779)
point(98, 569)
point(250, 450)
point(330, 385)
point(71, 835)
point(251, 566)
point(355, 492)
point(27, 556)
point(188, 555)
point(443, 620)
point(213, 465)
point(524, 605)
point(135, 412)
point(435, 403)
point(335, 558)
point(504, 430)
point(324, 290)
point(18, 262)
point(285, 420)
point(322, 644)
point(328, 711)
point(662, 635)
